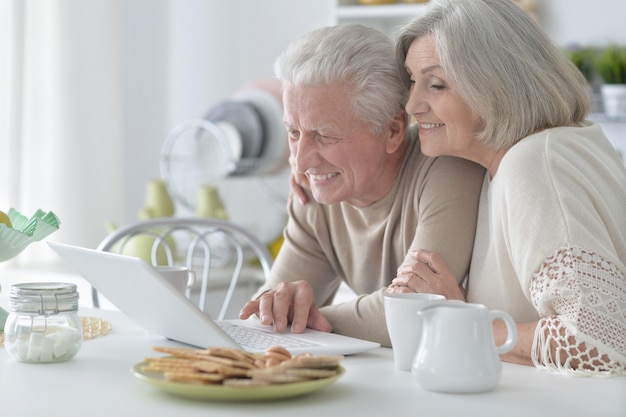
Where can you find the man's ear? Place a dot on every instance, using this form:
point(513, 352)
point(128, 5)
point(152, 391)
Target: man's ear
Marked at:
point(395, 131)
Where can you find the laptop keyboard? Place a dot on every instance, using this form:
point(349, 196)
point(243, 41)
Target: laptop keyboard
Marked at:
point(259, 339)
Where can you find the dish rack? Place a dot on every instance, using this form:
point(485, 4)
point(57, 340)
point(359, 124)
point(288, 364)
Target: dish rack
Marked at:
point(240, 137)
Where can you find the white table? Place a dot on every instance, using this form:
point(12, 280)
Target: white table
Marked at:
point(98, 382)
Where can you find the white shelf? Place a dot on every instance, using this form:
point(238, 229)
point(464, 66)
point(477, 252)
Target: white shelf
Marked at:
point(386, 17)
point(377, 12)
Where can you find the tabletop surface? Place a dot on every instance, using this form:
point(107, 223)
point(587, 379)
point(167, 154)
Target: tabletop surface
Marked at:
point(98, 382)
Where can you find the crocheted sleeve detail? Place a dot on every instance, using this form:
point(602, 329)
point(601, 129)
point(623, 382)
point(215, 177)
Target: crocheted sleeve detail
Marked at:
point(581, 299)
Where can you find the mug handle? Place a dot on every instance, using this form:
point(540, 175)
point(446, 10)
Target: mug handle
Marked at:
point(511, 330)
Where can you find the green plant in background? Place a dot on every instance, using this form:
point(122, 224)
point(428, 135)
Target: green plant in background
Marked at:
point(610, 63)
point(583, 59)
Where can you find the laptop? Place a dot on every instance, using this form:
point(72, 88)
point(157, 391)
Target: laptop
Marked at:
point(139, 291)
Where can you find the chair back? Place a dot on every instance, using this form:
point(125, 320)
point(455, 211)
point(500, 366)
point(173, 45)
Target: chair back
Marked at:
point(219, 251)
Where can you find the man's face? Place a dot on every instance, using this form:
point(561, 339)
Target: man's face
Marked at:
point(340, 157)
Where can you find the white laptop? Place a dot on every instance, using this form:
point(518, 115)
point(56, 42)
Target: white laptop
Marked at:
point(139, 291)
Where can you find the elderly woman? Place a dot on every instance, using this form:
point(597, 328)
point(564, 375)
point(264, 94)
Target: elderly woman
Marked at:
point(488, 85)
point(372, 195)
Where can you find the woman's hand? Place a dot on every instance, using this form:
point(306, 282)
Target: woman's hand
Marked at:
point(289, 302)
point(428, 274)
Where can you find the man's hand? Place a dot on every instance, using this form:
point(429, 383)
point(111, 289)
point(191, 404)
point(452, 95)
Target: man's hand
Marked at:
point(289, 302)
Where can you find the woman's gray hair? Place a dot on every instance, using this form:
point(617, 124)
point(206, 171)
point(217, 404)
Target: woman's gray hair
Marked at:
point(359, 55)
point(503, 65)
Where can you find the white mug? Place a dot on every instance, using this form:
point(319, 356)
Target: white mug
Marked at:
point(182, 278)
point(403, 325)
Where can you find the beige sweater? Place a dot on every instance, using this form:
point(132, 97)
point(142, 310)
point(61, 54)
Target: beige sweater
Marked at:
point(551, 241)
point(432, 205)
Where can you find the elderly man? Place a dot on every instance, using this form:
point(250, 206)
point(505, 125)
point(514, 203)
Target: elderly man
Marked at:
point(373, 197)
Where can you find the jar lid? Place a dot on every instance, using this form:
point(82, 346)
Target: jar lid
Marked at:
point(44, 298)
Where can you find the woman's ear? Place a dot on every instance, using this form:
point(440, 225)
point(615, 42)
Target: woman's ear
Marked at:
point(395, 131)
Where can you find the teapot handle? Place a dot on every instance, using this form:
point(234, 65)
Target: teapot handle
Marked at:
point(511, 330)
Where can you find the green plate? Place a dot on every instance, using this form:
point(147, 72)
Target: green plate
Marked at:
point(228, 393)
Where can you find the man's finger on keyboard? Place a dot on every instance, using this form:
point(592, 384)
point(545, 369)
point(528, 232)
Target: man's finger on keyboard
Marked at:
point(249, 309)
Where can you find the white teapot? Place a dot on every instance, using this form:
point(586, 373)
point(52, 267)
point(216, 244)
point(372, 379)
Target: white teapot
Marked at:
point(457, 351)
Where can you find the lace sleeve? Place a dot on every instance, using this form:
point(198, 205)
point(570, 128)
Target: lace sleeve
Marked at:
point(581, 299)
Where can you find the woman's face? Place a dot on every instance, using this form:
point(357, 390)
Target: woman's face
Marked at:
point(341, 158)
point(446, 124)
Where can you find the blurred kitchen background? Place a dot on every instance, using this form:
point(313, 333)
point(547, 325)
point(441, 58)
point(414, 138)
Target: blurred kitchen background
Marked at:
point(91, 89)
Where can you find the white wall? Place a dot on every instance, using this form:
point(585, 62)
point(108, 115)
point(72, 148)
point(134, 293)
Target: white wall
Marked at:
point(144, 68)
point(585, 22)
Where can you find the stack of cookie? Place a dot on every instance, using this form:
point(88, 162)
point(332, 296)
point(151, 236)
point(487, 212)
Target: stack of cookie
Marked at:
point(233, 367)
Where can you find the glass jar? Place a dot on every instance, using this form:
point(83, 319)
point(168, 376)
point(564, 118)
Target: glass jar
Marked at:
point(43, 323)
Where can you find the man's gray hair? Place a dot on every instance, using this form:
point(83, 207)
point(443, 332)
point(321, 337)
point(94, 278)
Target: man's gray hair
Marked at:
point(359, 55)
